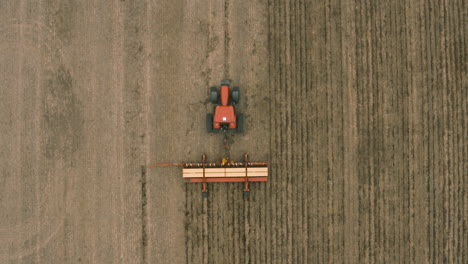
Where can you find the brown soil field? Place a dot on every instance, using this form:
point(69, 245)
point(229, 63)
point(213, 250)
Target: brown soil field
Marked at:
point(359, 106)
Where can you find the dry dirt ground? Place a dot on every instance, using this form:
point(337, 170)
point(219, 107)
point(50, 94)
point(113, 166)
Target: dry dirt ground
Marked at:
point(360, 107)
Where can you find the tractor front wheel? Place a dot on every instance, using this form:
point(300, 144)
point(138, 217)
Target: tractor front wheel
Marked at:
point(235, 95)
point(214, 95)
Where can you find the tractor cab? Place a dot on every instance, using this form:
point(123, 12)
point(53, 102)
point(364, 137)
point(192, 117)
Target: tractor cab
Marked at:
point(225, 116)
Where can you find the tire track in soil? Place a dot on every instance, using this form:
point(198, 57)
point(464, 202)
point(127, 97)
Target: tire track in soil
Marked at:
point(282, 162)
point(456, 147)
point(292, 137)
point(461, 161)
point(297, 244)
point(307, 162)
point(205, 240)
point(295, 225)
point(37, 127)
point(378, 208)
point(147, 133)
point(273, 40)
point(275, 160)
point(304, 163)
point(93, 154)
point(311, 137)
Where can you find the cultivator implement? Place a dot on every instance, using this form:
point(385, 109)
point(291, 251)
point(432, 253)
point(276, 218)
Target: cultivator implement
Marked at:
point(224, 171)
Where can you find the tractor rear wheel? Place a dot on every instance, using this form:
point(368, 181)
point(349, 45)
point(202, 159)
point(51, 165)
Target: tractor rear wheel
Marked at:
point(235, 95)
point(214, 95)
point(240, 123)
point(209, 123)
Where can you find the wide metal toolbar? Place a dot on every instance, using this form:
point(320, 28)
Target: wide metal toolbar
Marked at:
point(225, 171)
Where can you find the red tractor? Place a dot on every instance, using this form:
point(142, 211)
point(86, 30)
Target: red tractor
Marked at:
point(225, 116)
